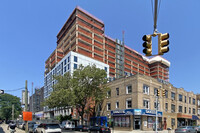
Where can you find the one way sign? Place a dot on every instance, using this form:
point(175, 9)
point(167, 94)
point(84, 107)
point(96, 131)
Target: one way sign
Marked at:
point(1, 91)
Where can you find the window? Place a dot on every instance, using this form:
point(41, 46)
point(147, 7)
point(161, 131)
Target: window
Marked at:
point(128, 89)
point(108, 94)
point(185, 99)
point(190, 100)
point(166, 106)
point(128, 103)
point(65, 69)
point(198, 102)
point(146, 104)
point(189, 110)
point(75, 66)
point(117, 91)
point(185, 110)
point(173, 108)
point(68, 65)
point(65, 62)
point(180, 109)
point(155, 91)
point(180, 97)
point(117, 105)
point(105, 69)
point(155, 105)
point(173, 96)
point(75, 59)
point(68, 59)
point(108, 106)
point(193, 101)
point(145, 89)
point(193, 111)
point(173, 122)
point(198, 111)
point(166, 93)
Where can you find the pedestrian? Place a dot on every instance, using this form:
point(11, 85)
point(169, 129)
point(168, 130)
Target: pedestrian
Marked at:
point(12, 127)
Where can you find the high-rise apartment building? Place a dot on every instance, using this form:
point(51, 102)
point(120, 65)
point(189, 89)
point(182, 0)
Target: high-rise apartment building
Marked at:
point(84, 34)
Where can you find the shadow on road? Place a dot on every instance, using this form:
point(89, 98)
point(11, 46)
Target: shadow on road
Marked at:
point(1, 130)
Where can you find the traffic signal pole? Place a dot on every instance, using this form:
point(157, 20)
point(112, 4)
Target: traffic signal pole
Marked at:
point(155, 15)
point(26, 106)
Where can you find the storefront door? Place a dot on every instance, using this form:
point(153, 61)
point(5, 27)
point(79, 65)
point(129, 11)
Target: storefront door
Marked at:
point(137, 122)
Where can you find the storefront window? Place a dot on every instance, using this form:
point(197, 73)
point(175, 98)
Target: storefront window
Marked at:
point(122, 121)
point(150, 121)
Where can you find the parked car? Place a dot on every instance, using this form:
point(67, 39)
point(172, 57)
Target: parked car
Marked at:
point(19, 123)
point(185, 129)
point(22, 126)
point(68, 125)
point(197, 129)
point(48, 128)
point(82, 128)
point(30, 126)
point(99, 129)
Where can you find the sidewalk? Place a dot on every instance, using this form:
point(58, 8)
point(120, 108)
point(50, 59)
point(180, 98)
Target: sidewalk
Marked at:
point(4, 126)
point(140, 131)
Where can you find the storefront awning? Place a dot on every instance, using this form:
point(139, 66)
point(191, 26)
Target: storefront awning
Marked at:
point(194, 117)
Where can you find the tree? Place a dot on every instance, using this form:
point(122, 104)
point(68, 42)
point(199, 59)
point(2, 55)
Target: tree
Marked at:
point(6, 102)
point(84, 90)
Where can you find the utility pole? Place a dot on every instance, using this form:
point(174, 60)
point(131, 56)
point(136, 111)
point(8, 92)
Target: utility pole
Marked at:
point(156, 114)
point(13, 112)
point(26, 105)
point(155, 15)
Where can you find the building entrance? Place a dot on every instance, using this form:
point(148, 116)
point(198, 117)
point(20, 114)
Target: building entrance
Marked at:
point(137, 122)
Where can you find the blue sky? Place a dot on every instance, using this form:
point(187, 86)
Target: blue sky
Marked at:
point(28, 30)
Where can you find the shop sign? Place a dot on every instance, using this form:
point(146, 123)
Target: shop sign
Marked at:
point(124, 112)
point(137, 111)
point(151, 112)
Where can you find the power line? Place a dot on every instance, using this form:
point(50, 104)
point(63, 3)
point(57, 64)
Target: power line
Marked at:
point(14, 89)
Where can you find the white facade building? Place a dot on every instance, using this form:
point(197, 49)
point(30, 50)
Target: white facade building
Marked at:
point(68, 64)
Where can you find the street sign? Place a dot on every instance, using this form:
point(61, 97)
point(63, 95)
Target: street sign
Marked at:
point(27, 116)
point(1, 91)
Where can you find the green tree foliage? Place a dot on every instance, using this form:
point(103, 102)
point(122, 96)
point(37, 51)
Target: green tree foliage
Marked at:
point(83, 90)
point(6, 102)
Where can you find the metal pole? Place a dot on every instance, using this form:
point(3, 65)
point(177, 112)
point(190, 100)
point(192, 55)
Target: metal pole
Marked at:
point(26, 106)
point(156, 113)
point(155, 15)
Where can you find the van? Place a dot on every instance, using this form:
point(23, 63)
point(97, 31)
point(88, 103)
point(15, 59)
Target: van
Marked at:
point(68, 125)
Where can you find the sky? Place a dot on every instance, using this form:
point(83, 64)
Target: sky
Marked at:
point(28, 30)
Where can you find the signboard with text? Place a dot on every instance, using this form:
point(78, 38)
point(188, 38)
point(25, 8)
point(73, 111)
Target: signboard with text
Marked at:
point(27, 116)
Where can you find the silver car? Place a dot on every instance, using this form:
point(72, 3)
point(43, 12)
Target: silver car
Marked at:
point(185, 129)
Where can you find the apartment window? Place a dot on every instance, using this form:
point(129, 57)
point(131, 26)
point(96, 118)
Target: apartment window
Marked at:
point(198, 102)
point(155, 91)
point(65, 69)
point(166, 106)
point(190, 100)
point(166, 93)
point(198, 111)
point(193, 111)
point(173, 108)
point(155, 105)
point(68, 65)
point(128, 103)
point(75, 66)
point(173, 122)
point(108, 106)
point(146, 104)
point(75, 59)
point(193, 101)
point(145, 89)
point(117, 91)
point(185, 99)
point(180, 109)
point(173, 96)
point(180, 97)
point(68, 59)
point(128, 89)
point(189, 110)
point(117, 105)
point(105, 69)
point(108, 94)
point(185, 110)
point(65, 62)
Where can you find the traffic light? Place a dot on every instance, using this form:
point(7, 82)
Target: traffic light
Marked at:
point(158, 92)
point(163, 92)
point(147, 45)
point(163, 43)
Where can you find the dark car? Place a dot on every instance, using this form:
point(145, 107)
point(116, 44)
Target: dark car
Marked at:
point(197, 128)
point(82, 128)
point(30, 126)
point(99, 129)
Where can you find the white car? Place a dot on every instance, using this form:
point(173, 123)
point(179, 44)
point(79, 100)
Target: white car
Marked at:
point(48, 128)
point(68, 125)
